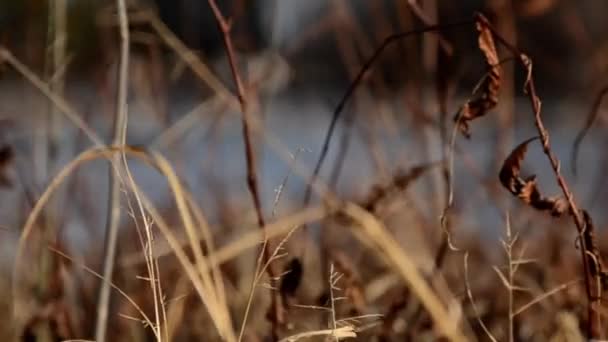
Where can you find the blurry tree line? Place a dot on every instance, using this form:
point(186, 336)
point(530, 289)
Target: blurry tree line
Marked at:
point(566, 38)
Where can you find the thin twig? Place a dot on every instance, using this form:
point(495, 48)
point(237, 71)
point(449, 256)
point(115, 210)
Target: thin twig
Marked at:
point(545, 295)
point(144, 317)
point(276, 312)
point(333, 279)
point(113, 218)
point(279, 190)
point(508, 246)
point(593, 113)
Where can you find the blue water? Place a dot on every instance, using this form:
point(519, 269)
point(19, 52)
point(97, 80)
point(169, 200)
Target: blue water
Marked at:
point(210, 159)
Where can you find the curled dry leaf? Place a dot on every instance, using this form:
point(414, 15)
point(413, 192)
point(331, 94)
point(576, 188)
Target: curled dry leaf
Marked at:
point(489, 86)
point(526, 189)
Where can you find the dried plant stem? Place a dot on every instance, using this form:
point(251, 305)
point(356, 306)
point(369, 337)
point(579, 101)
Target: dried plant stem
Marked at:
point(147, 243)
point(509, 250)
point(593, 291)
point(60, 62)
point(113, 217)
point(467, 286)
point(376, 236)
point(276, 314)
point(341, 333)
point(333, 279)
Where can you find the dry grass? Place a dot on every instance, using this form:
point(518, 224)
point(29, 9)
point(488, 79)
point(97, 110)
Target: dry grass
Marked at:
point(389, 264)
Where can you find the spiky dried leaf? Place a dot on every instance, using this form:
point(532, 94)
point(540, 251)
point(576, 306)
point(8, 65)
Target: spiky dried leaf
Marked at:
point(490, 84)
point(527, 189)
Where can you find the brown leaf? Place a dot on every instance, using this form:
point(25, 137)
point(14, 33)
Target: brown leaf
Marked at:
point(509, 173)
point(490, 84)
point(526, 189)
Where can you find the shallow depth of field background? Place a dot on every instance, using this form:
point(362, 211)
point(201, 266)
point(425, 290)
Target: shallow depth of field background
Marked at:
point(297, 58)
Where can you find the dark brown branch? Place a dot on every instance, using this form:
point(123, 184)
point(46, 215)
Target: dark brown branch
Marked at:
point(276, 312)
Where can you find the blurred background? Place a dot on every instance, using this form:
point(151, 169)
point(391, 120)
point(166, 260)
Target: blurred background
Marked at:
point(297, 59)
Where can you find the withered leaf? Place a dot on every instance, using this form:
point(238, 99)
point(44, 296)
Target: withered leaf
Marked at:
point(509, 173)
point(490, 84)
point(526, 189)
point(6, 157)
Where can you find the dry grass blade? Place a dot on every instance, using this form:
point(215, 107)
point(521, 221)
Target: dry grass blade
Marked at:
point(145, 318)
point(526, 189)
point(376, 236)
point(113, 211)
point(337, 334)
point(489, 87)
point(202, 275)
point(472, 300)
point(246, 241)
point(544, 296)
